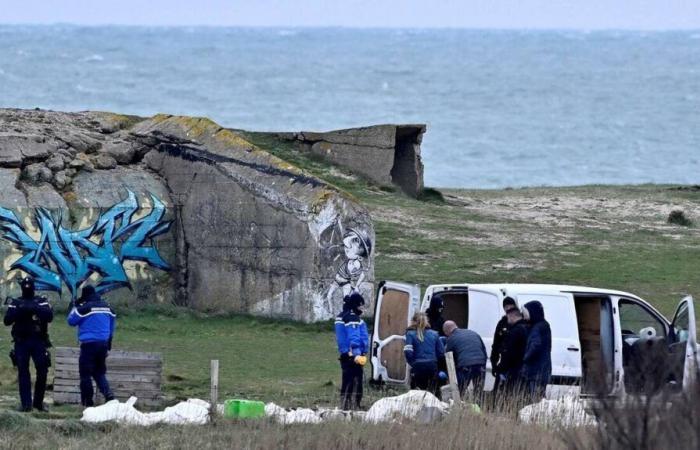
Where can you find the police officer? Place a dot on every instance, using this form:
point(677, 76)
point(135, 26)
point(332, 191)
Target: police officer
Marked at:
point(96, 322)
point(352, 339)
point(29, 316)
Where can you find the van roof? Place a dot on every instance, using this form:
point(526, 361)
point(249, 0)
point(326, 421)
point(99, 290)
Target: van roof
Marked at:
point(539, 288)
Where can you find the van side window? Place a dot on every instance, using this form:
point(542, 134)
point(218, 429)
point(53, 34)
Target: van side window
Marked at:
point(681, 325)
point(636, 319)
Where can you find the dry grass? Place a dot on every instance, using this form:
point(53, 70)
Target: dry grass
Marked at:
point(459, 430)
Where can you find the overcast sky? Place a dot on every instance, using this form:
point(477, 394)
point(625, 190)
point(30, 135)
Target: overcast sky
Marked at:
point(578, 14)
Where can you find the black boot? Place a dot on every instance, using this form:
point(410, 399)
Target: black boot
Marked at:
point(41, 408)
point(24, 409)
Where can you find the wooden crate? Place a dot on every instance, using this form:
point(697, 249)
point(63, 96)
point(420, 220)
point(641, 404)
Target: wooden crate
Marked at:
point(129, 373)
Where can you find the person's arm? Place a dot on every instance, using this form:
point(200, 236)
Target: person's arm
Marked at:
point(340, 337)
point(44, 311)
point(364, 336)
point(11, 313)
point(448, 346)
point(408, 349)
point(534, 345)
point(497, 343)
point(74, 317)
point(352, 329)
point(439, 349)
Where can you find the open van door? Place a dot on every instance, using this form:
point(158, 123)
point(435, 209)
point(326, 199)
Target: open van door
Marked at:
point(396, 303)
point(684, 341)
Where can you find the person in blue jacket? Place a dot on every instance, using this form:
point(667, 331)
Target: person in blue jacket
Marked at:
point(353, 341)
point(423, 349)
point(537, 362)
point(96, 322)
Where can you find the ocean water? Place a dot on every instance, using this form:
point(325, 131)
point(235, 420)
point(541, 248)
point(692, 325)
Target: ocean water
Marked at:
point(503, 108)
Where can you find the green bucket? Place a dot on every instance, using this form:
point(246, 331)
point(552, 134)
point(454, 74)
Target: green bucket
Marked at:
point(243, 409)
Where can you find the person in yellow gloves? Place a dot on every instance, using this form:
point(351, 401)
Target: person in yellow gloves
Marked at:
point(353, 341)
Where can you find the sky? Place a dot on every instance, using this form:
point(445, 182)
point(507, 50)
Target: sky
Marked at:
point(530, 14)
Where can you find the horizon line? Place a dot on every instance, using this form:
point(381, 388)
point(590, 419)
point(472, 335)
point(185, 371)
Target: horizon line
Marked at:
point(349, 27)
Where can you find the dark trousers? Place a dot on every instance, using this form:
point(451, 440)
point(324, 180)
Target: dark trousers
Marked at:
point(536, 390)
point(36, 350)
point(472, 374)
point(351, 383)
point(424, 377)
point(92, 365)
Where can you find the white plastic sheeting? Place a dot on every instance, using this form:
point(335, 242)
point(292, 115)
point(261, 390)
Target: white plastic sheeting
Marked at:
point(193, 411)
point(416, 405)
point(566, 412)
point(302, 415)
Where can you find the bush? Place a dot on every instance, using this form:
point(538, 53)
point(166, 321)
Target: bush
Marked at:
point(677, 217)
point(431, 195)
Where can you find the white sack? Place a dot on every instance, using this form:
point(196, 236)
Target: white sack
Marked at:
point(411, 405)
point(565, 411)
point(193, 411)
point(113, 410)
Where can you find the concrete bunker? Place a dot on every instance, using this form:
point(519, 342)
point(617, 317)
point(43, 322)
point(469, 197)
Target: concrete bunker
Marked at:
point(212, 221)
point(388, 155)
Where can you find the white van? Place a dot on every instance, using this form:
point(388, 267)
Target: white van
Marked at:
point(598, 335)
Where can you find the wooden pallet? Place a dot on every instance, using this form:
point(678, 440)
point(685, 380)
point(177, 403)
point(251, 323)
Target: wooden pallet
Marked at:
point(129, 373)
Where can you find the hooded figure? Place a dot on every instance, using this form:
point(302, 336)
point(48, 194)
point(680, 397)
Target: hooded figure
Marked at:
point(434, 313)
point(29, 317)
point(537, 362)
point(353, 341)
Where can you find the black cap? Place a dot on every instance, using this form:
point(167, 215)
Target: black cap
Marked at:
point(354, 300)
point(88, 291)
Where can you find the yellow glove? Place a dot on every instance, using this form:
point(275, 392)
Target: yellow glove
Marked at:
point(361, 360)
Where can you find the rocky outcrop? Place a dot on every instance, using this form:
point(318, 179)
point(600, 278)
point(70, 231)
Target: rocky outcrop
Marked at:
point(385, 154)
point(174, 209)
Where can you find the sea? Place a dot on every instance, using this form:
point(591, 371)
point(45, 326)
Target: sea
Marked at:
point(503, 108)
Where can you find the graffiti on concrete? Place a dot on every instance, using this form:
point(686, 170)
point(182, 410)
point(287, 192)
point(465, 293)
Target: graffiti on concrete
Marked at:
point(350, 274)
point(71, 257)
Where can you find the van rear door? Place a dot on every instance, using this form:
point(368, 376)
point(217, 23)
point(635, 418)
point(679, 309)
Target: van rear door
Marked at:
point(396, 303)
point(684, 341)
point(560, 312)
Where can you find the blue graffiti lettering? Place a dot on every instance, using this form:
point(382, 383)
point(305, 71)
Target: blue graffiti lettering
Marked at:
point(71, 257)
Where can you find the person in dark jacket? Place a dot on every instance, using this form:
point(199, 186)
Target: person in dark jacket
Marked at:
point(353, 341)
point(423, 349)
point(29, 316)
point(499, 337)
point(513, 353)
point(537, 361)
point(434, 313)
point(96, 322)
point(470, 357)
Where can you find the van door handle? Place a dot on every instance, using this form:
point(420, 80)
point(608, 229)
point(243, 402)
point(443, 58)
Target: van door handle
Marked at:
point(572, 348)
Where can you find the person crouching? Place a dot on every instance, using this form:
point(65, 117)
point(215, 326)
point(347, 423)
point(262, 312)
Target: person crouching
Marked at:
point(423, 350)
point(96, 322)
point(353, 340)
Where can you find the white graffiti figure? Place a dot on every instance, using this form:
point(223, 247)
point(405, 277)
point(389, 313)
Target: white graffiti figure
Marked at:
point(351, 273)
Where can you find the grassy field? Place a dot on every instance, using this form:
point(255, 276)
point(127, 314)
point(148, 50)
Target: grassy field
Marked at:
point(603, 236)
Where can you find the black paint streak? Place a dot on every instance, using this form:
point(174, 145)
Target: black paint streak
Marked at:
point(189, 152)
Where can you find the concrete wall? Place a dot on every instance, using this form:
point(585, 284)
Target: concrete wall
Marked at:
point(174, 209)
